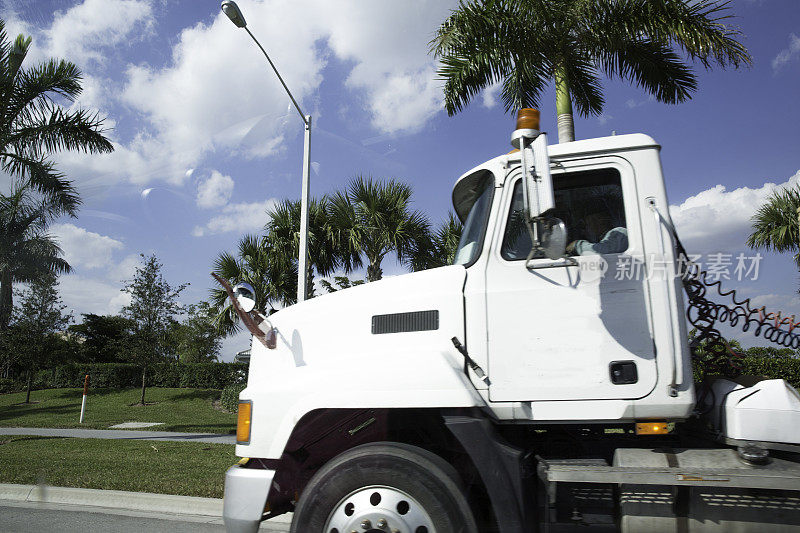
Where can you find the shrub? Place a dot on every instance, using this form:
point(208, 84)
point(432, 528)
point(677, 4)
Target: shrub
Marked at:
point(230, 397)
point(9, 385)
point(772, 368)
point(120, 375)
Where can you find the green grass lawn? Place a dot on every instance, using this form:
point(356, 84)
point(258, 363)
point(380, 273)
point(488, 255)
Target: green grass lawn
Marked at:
point(189, 469)
point(188, 410)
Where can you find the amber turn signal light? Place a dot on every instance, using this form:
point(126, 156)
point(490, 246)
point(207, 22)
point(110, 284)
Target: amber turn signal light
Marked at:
point(528, 119)
point(651, 428)
point(243, 418)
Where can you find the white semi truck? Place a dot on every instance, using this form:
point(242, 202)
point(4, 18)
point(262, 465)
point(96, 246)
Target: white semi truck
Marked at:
point(533, 384)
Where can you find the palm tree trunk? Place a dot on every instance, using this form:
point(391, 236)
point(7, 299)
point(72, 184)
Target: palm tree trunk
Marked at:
point(374, 271)
point(566, 127)
point(144, 374)
point(310, 282)
point(798, 223)
point(6, 301)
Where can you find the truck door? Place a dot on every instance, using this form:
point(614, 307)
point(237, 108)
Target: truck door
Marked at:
point(578, 329)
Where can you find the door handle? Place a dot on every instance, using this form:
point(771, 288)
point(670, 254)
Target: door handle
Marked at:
point(534, 264)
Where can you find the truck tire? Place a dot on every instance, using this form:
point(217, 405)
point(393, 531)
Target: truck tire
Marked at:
point(384, 487)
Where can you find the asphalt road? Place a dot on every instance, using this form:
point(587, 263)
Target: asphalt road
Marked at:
point(27, 517)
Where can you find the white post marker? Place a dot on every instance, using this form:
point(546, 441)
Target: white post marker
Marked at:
point(85, 390)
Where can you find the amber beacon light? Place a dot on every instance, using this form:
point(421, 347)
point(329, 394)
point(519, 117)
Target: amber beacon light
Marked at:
point(528, 119)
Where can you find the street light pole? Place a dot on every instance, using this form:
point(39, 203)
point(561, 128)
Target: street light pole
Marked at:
point(302, 261)
point(234, 13)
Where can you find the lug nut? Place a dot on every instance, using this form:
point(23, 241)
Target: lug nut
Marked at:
point(366, 524)
point(381, 523)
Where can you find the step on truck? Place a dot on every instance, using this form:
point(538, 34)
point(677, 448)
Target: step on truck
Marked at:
point(542, 382)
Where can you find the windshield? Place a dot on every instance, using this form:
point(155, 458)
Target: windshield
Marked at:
point(469, 247)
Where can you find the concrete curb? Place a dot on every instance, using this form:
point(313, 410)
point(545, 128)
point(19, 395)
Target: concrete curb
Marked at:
point(118, 499)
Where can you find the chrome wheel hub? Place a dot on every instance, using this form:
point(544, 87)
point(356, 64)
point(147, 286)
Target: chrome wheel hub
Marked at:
point(379, 509)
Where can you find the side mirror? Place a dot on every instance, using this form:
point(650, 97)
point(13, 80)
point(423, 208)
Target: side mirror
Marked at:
point(246, 296)
point(554, 237)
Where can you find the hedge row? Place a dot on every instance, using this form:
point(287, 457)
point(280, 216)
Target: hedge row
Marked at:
point(770, 367)
point(230, 397)
point(9, 385)
point(119, 375)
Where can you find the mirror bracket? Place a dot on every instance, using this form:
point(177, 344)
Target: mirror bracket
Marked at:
point(250, 319)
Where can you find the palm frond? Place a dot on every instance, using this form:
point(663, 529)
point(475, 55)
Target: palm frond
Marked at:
point(652, 66)
point(52, 129)
point(584, 84)
point(41, 175)
point(775, 223)
point(700, 28)
point(35, 87)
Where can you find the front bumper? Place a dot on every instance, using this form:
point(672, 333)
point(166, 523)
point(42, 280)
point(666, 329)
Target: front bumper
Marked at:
point(246, 491)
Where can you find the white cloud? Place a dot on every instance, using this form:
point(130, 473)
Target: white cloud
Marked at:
point(389, 43)
point(633, 104)
point(85, 295)
point(717, 220)
point(84, 248)
point(788, 304)
point(215, 191)
point(84, 35)
point(217, 92)
point(604, 118)
point(788, 54)
point(81, 32)
point(233, 344)
point(125, 269)
point(490, 95)
point(241, 217)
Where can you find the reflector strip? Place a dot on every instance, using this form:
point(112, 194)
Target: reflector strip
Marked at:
point(243, 418)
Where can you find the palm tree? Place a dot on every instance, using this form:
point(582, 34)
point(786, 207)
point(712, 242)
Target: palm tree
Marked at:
point(26, 250)
point(374, 218)
point(440, 249)
point(324, 253)
point(272, 275)
point(775, 224)
point(525, 44)
point(32, 125)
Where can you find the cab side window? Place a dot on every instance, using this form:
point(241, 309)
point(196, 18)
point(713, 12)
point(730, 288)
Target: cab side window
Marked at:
point(591, 205)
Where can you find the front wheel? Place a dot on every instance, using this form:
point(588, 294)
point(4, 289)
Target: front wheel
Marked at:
point(381, 488)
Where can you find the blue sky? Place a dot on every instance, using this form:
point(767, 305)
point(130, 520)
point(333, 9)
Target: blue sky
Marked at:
point(206, 139)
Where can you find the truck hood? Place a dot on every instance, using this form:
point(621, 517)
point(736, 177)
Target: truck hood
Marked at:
point(426, 307)
point(385, 344)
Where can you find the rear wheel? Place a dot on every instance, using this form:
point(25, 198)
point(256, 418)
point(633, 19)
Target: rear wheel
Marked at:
point(384, 487)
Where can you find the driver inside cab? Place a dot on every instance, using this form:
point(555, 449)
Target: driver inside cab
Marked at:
point(609, 240)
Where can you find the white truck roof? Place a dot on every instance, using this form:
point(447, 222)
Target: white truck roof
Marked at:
point(463, 193)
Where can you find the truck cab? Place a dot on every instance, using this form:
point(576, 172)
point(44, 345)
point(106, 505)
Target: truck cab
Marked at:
point(591, 336)
point(423, 402)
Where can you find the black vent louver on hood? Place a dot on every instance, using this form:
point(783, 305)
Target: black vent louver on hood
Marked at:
point(405, 322)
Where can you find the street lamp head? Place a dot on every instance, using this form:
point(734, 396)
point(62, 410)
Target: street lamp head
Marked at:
point(233, 12)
